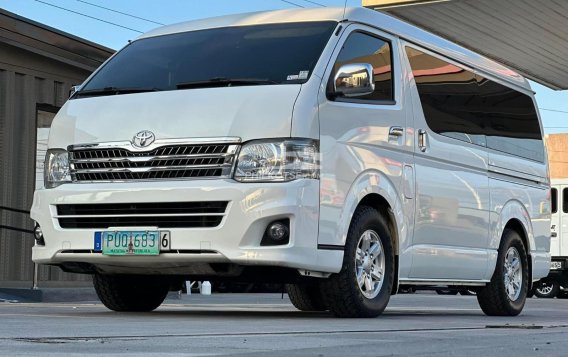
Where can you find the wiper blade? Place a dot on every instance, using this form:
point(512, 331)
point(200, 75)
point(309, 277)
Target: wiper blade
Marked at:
point(224, 82)
point(112, 91)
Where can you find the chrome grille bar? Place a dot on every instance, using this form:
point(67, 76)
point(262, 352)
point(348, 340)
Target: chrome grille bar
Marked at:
point(164, 159)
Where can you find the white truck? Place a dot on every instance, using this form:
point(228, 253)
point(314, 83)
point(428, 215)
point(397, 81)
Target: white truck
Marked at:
point(556, 283)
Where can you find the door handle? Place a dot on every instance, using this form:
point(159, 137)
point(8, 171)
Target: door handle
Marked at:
point(396, 131)
point(422, 140)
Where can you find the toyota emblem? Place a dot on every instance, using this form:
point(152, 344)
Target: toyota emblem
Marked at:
point(143, 139)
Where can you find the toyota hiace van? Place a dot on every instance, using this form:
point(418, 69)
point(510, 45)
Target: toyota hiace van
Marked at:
point(344, 153)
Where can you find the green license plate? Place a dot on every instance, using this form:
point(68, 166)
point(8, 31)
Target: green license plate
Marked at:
point(133, 242)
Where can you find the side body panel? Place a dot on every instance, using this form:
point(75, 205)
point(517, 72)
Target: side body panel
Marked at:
point(452, 203)
point(515, 198)
point(359, 157)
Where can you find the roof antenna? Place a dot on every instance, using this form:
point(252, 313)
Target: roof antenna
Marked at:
point(344, 8)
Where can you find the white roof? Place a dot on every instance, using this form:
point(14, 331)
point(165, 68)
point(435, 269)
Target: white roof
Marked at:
point(380, 20)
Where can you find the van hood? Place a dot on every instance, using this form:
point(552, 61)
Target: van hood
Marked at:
point(248, 112)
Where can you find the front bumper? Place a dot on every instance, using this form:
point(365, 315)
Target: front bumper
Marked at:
point(236, 240)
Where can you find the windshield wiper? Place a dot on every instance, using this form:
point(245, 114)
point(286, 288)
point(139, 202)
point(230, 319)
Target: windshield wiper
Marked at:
point(224, 82)
point(112, 91)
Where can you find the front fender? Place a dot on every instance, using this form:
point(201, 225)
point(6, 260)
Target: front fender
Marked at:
point(370, 182)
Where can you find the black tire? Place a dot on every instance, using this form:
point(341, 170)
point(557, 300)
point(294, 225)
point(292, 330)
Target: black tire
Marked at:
point(446, 292)
point(341, 291)
point(131, 293)
point(306, 297)
point(547, 289)
point(530, 294)
point(493, 298)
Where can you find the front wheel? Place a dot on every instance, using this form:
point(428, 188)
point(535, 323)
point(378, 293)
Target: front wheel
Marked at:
point(306, 297)
point(363, 286)
point(129, 293)
point(547, 290)
point(506, 294)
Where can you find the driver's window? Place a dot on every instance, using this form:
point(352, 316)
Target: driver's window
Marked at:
point(361, 47)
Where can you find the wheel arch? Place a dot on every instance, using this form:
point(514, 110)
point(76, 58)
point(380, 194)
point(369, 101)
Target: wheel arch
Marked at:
point(374, 189)
point(515, 216)
point(515, 225)
point(382, 206)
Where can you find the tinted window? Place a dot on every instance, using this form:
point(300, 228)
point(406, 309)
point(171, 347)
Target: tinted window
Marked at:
point(446, 92)
point(554, 200)
point(466, 106)
point(565, 200)
point(512, 121)
point(280, 53)
point(363, 48)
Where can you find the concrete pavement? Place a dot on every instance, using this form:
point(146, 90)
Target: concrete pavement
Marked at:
point(264, 324)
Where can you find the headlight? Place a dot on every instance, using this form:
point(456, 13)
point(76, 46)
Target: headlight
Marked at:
point(56, 169)
point(282, 160)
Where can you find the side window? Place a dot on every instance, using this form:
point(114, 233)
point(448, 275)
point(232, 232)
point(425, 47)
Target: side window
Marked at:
point(554, 200)
point(446, 93)
point(363, 48)
point(512, 122)
point(565, 200)
point(466, 106)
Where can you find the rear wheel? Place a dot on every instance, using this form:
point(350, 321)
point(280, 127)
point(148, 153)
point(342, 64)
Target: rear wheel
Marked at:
point(131, 292)
point(306, 297)
point(547, 289)
point(506, 294)
point(363, 286)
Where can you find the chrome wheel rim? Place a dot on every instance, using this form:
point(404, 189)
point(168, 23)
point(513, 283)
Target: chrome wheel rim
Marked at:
point(513, 274)
point(369, 264)
point(545, 289)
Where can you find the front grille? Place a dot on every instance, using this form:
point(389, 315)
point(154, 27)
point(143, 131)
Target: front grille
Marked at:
point(161, 215)
point(166, 162)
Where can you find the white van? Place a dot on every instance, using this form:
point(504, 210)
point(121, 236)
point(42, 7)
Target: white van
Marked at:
point(556, 283)
point(347, 154)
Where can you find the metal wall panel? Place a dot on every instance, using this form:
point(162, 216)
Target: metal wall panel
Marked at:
point(23, 86)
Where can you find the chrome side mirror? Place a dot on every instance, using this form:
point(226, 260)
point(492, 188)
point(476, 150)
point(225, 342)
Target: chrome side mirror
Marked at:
point(74, 89)
point(354, 80)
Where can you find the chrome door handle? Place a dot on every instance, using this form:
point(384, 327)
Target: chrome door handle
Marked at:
point(422, 140)
point(396, 131)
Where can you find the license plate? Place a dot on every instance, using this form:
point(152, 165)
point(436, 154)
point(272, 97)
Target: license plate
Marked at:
point(132, 242)
point(555, 265)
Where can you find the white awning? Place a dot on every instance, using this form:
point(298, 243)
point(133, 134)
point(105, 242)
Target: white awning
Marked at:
point(529, 36)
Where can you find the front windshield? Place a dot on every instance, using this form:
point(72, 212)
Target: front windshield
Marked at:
point(259, 54)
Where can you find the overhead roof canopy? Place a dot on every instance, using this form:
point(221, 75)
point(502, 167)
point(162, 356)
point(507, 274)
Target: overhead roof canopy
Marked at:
point(529, 36)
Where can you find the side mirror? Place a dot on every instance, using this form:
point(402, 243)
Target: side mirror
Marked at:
point(354, 80)
point(74, 89)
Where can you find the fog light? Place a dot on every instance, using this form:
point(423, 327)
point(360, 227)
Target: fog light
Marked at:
point(38, 234)
point(277, 233)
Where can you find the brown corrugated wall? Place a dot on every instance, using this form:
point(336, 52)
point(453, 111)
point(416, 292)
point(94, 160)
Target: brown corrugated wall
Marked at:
point(557, 148)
